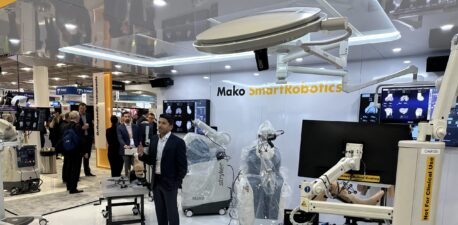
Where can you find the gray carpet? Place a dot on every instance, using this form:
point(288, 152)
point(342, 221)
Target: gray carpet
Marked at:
point(53, 195)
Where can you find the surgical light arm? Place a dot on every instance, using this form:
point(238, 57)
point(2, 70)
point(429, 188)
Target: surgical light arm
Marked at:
point(221, 138)
point(437, 127)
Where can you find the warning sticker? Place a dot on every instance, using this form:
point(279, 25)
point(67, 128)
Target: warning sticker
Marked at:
point(360, 178)
point(428, 192)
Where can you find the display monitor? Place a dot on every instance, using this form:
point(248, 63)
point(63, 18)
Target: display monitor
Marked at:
point(368, 112)
point(185, 111)
point(31, 119)
point(406, 104)
point(323, 145)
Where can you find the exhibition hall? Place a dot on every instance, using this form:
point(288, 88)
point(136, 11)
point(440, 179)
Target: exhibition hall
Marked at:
point(241, 112)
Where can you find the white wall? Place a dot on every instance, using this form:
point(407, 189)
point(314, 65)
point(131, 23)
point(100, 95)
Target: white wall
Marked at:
point(241, 115)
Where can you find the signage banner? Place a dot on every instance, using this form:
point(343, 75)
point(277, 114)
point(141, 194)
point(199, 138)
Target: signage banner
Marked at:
point(73, 90)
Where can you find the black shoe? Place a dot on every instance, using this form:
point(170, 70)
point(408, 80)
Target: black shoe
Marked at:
point(76, 191)
point(90, 175)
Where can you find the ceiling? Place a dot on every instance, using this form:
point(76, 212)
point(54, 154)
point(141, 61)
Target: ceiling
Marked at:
point(144, 31)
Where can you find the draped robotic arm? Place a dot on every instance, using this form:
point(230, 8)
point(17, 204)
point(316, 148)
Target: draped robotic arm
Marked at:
point(221, 138)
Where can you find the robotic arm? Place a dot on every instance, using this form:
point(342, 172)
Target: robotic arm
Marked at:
point(221, 138)
point(7, 131)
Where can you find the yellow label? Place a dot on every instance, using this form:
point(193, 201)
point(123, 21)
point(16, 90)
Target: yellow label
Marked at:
point(428, 192)
point(360, 178)
point(4, 3)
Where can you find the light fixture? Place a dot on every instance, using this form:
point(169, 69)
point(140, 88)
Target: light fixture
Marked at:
point(60, 64)
point(83, 76)
point(60, 56)
point(56, 78)
point(160, 3)
point(70, 26)
point(227, 67)
point(118, 66)
point(299, 59)
point(256, 74)
point(26, 69)
point(447, 27)
point(397, 50)
point(174, 71)
point(53, 86)
point(127, 81)
point(206, 77)
point(321, 68)
point(29, 82)
point(13, 83)
point(407, 61)
point(4, 72)
point(14, 41)
point(116, 73)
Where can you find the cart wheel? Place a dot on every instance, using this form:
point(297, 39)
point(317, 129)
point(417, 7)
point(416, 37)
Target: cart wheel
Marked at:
point(189, 213)
point(14, 191)
point(135, 211)
point(43, 221)
point(222, 211)
point(104, 213)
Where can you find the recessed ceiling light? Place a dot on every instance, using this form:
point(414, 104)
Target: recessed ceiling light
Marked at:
point(57, 78)
point(70, 26)
point(321, 68)
point(116, 73)
point(4, 72)
point(54, 86)
point(118, 66)
point(60, 56)
point(127, 81)
point(227, 67)
point(13, 83)
point(407, 61)
point(206, 77)
point(29, 82)
point(27, 69)
point(83, 76)
point(299, 59)
point(60, 64)
point(256, 74)
point(447, 27)
point(159, 2)
point(14, 41)
point(174, 71)
point(397, 50)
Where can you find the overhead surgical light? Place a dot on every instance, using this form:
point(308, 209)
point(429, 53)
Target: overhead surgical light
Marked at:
point(276, 28)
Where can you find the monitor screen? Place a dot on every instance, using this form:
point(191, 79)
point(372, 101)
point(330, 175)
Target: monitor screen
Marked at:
point(185, 111)
point(406, 104)
point(368, 112)
point(323, 145)
point(31, 119)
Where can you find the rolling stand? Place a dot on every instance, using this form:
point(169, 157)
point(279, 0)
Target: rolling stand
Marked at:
point(115, 188)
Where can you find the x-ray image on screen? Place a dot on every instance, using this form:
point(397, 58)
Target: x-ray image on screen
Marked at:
point(185, 111)
point(405, 105)
point(368, 112)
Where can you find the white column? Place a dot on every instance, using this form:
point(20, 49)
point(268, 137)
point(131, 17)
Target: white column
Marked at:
point(41, 99)
point(2, 208)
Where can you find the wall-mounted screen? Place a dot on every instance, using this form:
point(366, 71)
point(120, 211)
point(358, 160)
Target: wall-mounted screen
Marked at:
point(185, 111)
point(368, 112)
point(406, 104)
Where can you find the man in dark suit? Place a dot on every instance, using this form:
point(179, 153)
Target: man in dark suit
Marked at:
point(87, 124)
point(167, 155)
point(128, 137)
point(148, 126)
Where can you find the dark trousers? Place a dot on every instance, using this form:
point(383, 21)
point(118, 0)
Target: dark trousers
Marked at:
point(166, 203)
point(72, 170)
point(88, 149)
point(116, 164)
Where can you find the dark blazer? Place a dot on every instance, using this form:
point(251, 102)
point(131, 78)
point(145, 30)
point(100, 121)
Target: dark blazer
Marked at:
point(123, 136)
point(112, 140)
point(174, 164)
point(152, 132)
point(90, 130)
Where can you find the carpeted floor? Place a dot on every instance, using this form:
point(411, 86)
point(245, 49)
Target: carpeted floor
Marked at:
point(54, 196)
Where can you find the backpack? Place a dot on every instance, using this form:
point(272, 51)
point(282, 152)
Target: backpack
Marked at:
point(70, 139)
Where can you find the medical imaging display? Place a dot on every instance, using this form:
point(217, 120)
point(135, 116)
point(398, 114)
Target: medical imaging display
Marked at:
point(368, 112)
point(26, 156)
point(31, 119)
point(406, 104)
point(185, 111)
